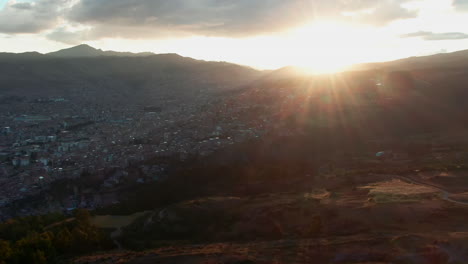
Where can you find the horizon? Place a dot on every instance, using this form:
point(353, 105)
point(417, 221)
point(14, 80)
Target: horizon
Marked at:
point(301, 69)
point(266, 35)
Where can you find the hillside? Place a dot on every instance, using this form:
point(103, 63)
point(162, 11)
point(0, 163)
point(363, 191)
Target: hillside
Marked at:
point(311, 187)
point(82, 68)
point(232, 165)
point(438, 61)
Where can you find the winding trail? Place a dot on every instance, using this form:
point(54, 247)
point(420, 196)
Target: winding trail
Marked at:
point(445, 194)
point(116, 234)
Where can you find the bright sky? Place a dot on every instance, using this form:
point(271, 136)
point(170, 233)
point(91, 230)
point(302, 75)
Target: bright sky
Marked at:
point(323, 35)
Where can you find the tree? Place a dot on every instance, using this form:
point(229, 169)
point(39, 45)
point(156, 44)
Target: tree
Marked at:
point(39, 257)
point(63, 240)
point(83, 217)
point(5, 251)
point(35, 248)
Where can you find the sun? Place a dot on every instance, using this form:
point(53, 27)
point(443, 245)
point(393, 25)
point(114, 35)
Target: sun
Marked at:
point(327, 46)
point(324, 67)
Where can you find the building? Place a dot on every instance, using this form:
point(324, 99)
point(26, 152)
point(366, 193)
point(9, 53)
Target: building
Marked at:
point(25, 161)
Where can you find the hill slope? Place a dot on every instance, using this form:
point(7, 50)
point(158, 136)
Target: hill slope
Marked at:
point(34, 75)
point(441, 60)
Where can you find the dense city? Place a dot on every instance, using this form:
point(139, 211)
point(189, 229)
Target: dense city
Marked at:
point(47, 139)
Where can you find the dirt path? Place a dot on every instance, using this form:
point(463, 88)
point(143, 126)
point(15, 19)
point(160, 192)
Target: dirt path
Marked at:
point(115, 235)
point(445, 194)
point(59, 223)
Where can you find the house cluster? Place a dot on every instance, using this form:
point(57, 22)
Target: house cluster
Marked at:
point(44, 141)
point(108, 139)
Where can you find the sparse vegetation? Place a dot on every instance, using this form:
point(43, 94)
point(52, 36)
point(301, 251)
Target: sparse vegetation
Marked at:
point(26, 240)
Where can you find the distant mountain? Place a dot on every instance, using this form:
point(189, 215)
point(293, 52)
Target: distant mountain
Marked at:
point(20, 56)
point(454, 60)
point(88, 51)
point(441, 60)
point(130, 77)
point(287, 72)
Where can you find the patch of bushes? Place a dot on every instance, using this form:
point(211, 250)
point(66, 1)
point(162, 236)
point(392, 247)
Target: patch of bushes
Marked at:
point(36, 240)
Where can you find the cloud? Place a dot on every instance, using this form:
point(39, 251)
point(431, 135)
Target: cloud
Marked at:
point(30, 17)
point(225, 18)
point(207, 17)
point(23, 6)
point(385, 12)
point(461, 5)
point(140, 19)
point(426, 35)
point(68, 37)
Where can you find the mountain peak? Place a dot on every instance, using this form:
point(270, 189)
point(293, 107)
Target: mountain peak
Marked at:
point(84, 50)
point(83, 47)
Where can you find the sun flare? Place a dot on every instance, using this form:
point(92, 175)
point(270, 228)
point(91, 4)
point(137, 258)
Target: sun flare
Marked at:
point(327, 46)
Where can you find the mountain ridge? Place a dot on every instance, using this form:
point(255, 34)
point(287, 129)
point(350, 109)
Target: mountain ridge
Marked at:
point(85, 50)
point(439, 60)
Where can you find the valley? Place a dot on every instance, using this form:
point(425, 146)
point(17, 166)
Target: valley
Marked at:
point(259, 167)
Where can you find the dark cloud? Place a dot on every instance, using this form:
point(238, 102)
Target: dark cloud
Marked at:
point(227, 18)
point(171, 18)
point(461, 5)
point(30, 17)
point(207, 17)
point(436, 36)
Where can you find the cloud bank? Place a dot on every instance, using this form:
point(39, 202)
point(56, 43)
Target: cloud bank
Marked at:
point(426, 35)
point(34, 17)
point(171, 18)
